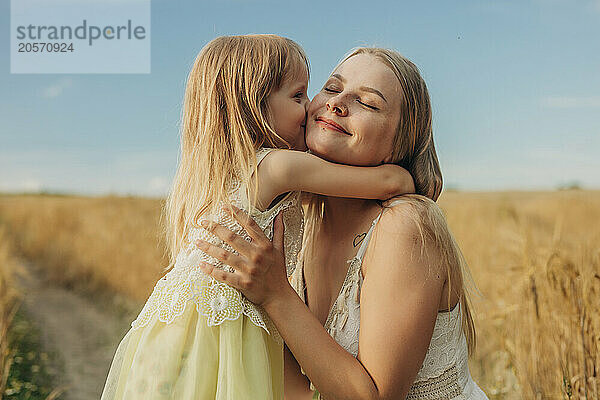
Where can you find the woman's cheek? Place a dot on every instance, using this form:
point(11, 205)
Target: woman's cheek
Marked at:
point(312, 138)
point(301, 114)
point(324, 144)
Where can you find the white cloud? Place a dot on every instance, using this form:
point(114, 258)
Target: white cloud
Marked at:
point(57, 88)
point(31, 185)
point(87, 171)
point(25, 185)
point(571, 101)
point(528, 168)
point(158, 186)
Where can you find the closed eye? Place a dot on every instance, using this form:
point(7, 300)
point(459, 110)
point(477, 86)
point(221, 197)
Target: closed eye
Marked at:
point(367, 105)
point(331, 90)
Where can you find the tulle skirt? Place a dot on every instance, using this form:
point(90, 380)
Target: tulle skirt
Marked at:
point(187, 359)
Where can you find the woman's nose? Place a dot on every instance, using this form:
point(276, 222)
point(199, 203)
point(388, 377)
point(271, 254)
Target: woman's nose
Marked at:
point(337, 107)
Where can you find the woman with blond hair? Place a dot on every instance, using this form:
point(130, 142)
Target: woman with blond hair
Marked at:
point(379, 303)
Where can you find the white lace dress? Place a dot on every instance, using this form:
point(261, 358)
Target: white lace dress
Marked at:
point(197, 338)
point(444, 374)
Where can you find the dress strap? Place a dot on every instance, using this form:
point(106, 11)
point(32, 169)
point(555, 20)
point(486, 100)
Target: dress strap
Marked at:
point(363, 246)
point(262, 153)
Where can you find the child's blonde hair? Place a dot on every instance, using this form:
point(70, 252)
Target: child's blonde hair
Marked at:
point(225, 119)
point(413, 149)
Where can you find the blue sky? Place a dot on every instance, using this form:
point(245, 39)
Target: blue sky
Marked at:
point(515, 87)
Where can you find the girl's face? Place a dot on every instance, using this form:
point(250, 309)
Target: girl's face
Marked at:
point(354, 118)
point(288, 105)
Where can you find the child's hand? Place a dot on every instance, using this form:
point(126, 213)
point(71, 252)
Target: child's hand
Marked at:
point(400, 180)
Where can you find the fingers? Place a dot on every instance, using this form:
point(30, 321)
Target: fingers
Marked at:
point(221, 254)
point(220, 275)
point(229, 237)
point(250, 226)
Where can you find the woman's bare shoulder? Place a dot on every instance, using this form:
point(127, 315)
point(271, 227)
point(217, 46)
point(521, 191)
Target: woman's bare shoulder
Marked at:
point(406, 228)
point(409, 214)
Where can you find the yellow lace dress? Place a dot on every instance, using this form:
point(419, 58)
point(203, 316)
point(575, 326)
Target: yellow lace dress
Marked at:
point(197, 338)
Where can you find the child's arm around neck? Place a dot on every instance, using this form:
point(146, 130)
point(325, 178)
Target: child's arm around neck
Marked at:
point(283, 171)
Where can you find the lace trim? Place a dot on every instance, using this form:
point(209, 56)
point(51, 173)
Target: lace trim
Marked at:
point(442, 387)
point(215, 300)
point(352, 279)
point(340, 305)
point(445, 347)
point(293, 219)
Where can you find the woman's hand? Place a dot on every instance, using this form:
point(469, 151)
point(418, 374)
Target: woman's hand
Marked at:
point(260, 272)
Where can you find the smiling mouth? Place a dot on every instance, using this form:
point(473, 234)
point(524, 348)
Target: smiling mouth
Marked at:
point(332, 125)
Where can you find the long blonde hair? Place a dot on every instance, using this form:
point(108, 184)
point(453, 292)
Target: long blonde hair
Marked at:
point(413, 148)
point(225, 119)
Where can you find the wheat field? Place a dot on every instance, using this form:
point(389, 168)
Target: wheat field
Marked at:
point(10, 296)
point(534, 257)
point(106, 244)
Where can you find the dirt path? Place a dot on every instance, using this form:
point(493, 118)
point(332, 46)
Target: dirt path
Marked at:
point(78, 329)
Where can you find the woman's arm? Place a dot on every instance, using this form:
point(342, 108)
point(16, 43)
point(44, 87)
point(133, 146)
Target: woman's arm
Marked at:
point(399, 303)
point(289, 170)
point(296, 385)
point(331, 369)
point(400, 298)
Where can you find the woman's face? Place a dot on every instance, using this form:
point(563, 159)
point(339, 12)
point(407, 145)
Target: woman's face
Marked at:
point(354, 118)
